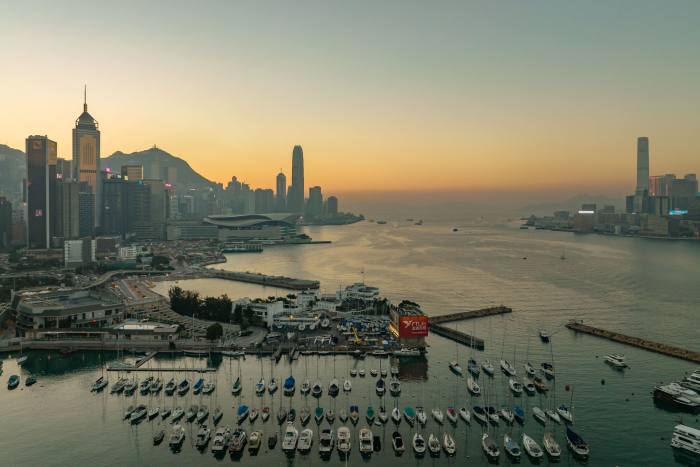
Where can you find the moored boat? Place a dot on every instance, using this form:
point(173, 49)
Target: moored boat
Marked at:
point(511, 447)
point(531, 447)
point(551, 446)
point(576, 443)
point(397, 443)
point(418, 444)
point(686, 438)
point(488, 444)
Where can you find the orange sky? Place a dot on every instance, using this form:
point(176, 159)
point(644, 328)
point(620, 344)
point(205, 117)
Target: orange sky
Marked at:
point(468, 97)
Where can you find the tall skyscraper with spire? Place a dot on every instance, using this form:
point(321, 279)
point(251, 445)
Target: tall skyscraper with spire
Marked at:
point(642, 164)
point(295, 200)
point(86, 156)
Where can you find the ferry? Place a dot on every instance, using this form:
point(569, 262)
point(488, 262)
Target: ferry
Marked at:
point(686, 439)
point(241, 247)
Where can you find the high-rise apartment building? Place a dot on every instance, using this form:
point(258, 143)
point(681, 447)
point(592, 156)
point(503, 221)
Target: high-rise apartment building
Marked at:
point(86, 158)
point(68, 209)
point(314, 210)
point(642, 163)
point(41, 190)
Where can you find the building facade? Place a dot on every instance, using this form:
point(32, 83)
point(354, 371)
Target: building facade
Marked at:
point(86, 158)
point(41, 191)
point(295, 199)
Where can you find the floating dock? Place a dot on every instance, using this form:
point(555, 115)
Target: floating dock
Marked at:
point(459, 336)
point(638, 342)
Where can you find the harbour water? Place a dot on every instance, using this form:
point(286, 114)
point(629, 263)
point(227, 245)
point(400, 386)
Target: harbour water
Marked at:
point(639, 287)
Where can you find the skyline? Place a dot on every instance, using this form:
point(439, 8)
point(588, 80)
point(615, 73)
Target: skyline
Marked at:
point(536, 114)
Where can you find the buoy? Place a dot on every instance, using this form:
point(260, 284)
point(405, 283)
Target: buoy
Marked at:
point(602, 381)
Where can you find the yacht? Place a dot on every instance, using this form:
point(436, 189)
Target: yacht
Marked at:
point(260, 386)
point(236, 387)
point(473, 367)
point(686, 438)
point(511, 447)
point(343, 415)
point(531, 447)
point(692, 381)
point(438, 415)
point(373, 372)
point(540, 385)
point(539, 415)
point(255, 441)
point(515, 387)
point(99, 384)
point(153, 412)
point(507, 415)
point(353, 372)
point(202, 414)
point(396, 415)
point(191, 413)
point(616, 361)
point(507, 368)
point(177, 436)
point(119, 386)
point(347, 385)
point(156, 386)
point(304, 416)
point(395, 387)
point(397, 443)
point(253, 415)
point(490, 447)
point(305, 387)
point(418, 444)
point(306, 439)
point(553, 415)
point(551, 446)
point(221, 440)
point(130, 387)
point(158, 437)
point(410, 415)
point(454, 366)
point(165, 413)
point(218, 415)
point(565, 413)
point(529, 386)
point(366, 443)
point(265, 414)
point(208, 387)
point(487, 367)
point(238, 442)
point(318, 414)
point(354, 414)
point(177, 414)
point(145, 385)
point(383, 417)
point(448, 444)
point(198, 386)
point(529, 369)
point(544, 336)
point(678, 396)
point(464, 414)
point(473, 386)
point(451, 414)
point(370, 414)
point(182, 387)
point(576, 443)
point(203, 437)
point(433, 445)
point(127, 413)
point(326, 442)
point(519, 414)
point(344, 443)
point(170, 387)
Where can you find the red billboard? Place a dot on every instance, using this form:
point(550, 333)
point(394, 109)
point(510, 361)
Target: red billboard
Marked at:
point(413, 326)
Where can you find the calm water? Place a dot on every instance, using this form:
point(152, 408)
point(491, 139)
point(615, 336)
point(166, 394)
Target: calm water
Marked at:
point(641, 287)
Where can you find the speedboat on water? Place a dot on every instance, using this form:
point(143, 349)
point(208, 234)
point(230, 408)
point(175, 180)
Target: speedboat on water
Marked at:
point(306, 439)
point(382, 415)
point(511, 447)
point(551, 446)
point(238, 441)
point(576, 443)
point(354, 414)
point(318, 414)
point(221, 439)
point(255, 441)
point(198, 385)
point(218, 415)
point(265, 414)
point(344, 442)
point(370, 414)
point(490, 447)
point(366, 442)
point(330, 416)
point(138, 414)
point(208, 387)
point(183, 387)
point(170, 387)
point(531, 447)
point(203, 437)
point(191, 413)
point(304, 416)
point(177, 436)
point(202, 414)
point(145, 385)
point(153, 412)
point(397, 443)
point(178, 413)
point(165, 413)
point(326, 442)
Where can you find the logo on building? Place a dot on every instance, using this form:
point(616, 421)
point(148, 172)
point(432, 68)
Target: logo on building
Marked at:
point(413, 326)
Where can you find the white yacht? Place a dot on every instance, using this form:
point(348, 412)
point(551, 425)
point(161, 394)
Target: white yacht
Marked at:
point(366, 442)
point(433, 445)
point(507, 368)
point(438, 415)
point(692, 381)
point(531, 447)
point(515, 386)
point(551, 446)
point(344, 442)
point(686, 438)
point(454, 366)
point(487, 367)
point(177, 436)
point(617, 361)
point(448, 444)
point(289, 443)
point(221, 440)
point(418, 444)
point(464, 414)
point(203, 437)
point(473, 386)
point(306, 439)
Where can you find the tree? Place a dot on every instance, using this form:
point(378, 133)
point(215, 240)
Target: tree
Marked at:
point(238, 314)
point(215, 331)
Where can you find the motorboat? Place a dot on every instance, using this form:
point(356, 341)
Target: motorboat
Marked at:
point(438, 415)
point(576, 443)
point(410, 415)
point(291, 414)
point(30, 381)
point(394, 371)
point(221, 440)
point(202, 414)
point(551, 446)
point(218, 415)
point(272, 385)
point(692, 381)
point(306, 439)
point(421, 416)
point(465, 415)
point(343, 415)
point(519, 414)
point(433, 445)
point(397, 443)
point(255, 441)
point(540, 385)
point(383, 373)
point(456, 369)
point(539, 415)
point(253, 415)
point(507, 368)
point(177, 436)
point(318, 414)
point(182, 387)
point(507, 415)
point(170, 387)
point(487, 366)
point(380, 387)
point(473, 367)
point(127, 413)
point(544, 336)
point(353, 372)
point(158, 437)
point(165, 413)
point(418, 444)
point(547, 369)
point(282, 415)
point(480, 414)
point(344, 441)
point(616, 361)
point(233, 353)
point(265, 414)
point(565, 413)
point(529, 386)
point(153, 412)
point(130, 387)
point(138, 414)
point(366, 442)
point(511, 447)
point(370, 414)
point(203, 437)
point(242, 413)
point(191, 413)
point(529, 369)
point(395, 387)
point(317, 389)
point(531, 447)
point(354, 414)
point(492, 414)
point(373, 372)
point(236, 387)
point(396, 415)
point(678, 396)
point(260, 386)
point(451, 414)
point(156, 386)
point(686, 438)
point(362, 373)
point(119, 386)
point(330, 416)
point(553, 415)
point(304, 416)
point(448, 444)
point(208, 387)
point(238, 441)
point(99, 384)
point(305, 387)
point(326, 442)
point(488, 444)
point(198, 386)
point(382, 415)
point(347, 385)
point(406, 352)
point(145, 385)
point(178, 413)
point(515, 387)
point(473, 386)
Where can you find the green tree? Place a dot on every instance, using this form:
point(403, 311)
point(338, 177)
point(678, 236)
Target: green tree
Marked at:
point(215, 331)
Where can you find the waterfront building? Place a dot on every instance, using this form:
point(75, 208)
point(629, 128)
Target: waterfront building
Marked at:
point(79, 252)
point(281, 195)
point(138, 209)
point(86, 158)
point(264, 201)
point(145, 331)
point(642, 163)
point(265, 310)
point(295, 200)
point(683, 191)
point(408, 324)
point(41, 191)
point(158, 208)
point(132, 172)
point(253, 226)
point(331, 207)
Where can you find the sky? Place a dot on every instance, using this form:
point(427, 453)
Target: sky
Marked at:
point(383, 96)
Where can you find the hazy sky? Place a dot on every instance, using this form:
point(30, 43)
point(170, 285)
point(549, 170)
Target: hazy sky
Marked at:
point(382, 95)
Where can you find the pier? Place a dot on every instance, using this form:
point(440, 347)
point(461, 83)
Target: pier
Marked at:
point(463, 315)
point(638, 342)
point(457, 336)
point(281, 282)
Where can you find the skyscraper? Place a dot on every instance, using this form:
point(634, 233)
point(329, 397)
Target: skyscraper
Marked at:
point(642, 164)
point(281, 199)
point(41, 191)
point(86, 157)
point(315, 208)
point(132, 172)
point(332, 206)
point(295, 201)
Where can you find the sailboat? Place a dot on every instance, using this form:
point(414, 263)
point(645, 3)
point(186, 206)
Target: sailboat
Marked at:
point(531, 447)
point(380, 387)
point(511, 447)
point(488, 444)
point(455, 368)
point(260, 386)
point(421, 416)
point(236, 388)
point(289, 386)
point(576, 443)
point(473, 386)
point(551, 446)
